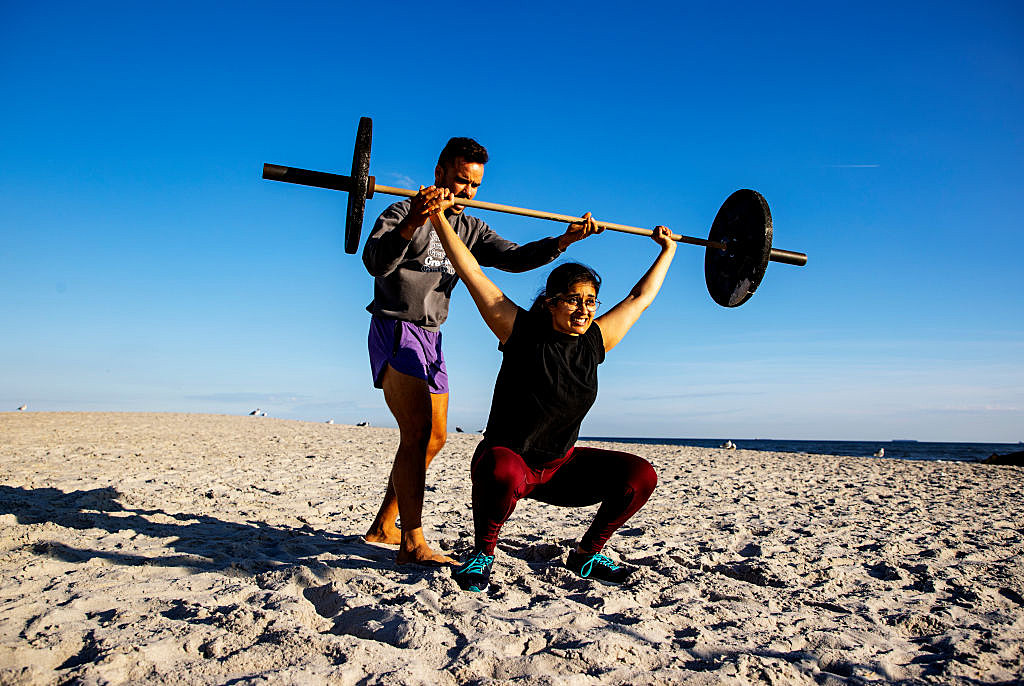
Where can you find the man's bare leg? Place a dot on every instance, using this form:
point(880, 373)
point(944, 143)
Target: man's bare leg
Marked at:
point(383, 529)
point(422, 421)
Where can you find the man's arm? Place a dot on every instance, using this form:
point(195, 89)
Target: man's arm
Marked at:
point(385, 247)
point(491, 250)
point(393, 230)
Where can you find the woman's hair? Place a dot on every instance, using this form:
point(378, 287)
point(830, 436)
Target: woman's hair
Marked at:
point(561, 279)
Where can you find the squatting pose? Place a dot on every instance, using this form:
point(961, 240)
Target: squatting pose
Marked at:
point(545, 387)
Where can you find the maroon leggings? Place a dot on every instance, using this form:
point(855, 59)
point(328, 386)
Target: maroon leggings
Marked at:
point(621, 482)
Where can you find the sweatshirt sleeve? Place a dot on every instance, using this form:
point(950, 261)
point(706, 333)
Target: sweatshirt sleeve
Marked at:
point(491, 250)
point(385, 247)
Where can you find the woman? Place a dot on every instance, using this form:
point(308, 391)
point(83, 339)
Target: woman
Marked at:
point(546, 385)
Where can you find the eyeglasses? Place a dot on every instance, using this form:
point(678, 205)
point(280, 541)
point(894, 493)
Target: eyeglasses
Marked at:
point(576, 302)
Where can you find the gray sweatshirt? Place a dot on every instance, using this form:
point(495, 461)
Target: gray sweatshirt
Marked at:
point(413, 280)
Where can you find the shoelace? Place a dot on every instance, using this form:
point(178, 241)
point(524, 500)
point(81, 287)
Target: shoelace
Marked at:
point(597, 559)
point(477, 564)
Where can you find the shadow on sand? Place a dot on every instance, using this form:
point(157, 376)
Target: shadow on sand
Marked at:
point(199, 542)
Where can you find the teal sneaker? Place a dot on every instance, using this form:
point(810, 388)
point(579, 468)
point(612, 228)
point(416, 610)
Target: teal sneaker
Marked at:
point(596, 566)
point(475, 572)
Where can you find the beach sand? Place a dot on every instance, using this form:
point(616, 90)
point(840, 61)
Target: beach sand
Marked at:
point(198, 549)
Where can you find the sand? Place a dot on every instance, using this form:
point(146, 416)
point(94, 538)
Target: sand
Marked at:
point(197, 549)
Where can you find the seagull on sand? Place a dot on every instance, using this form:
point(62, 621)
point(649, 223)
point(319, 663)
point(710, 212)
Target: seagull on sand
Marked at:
point(330, 421)
point(22, 408)
point(880, 453)
point(729, 445)
point(255, 413)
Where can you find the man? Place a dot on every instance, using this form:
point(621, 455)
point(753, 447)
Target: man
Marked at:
point(413, 282)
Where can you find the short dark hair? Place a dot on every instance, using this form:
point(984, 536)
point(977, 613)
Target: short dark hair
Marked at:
point(466, 148)
point(564, 277)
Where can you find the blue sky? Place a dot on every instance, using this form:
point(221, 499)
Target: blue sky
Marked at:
point(147, 266)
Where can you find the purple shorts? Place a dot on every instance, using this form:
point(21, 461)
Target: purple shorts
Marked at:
point(408, 349)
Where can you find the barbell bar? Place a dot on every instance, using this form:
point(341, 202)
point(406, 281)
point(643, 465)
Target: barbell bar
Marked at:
point(738, 247)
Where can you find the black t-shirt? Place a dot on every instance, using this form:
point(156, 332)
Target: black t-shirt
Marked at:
point(545, 387)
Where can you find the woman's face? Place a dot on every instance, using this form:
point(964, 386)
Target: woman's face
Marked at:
point(573, 312)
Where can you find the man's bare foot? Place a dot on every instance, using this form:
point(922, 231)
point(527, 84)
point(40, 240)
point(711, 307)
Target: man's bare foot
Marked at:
point(422, 554)
point(390, 535)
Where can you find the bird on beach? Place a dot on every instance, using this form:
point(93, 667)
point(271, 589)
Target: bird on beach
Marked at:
point(255, 413)
point(363, 424)
point(880, 453)
point(22, 408)
point(330, 421)
point(459, 430)
point(729, 445)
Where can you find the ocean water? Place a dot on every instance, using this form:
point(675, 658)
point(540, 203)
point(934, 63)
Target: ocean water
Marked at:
point(898, 450)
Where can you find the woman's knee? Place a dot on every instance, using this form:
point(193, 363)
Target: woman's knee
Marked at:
point(642, 478)
point(499, 469)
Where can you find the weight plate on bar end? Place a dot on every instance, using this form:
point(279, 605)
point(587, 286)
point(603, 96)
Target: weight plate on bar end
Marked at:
point(744, 224)
point(360, 181)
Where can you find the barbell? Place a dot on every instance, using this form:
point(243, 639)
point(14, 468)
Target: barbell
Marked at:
point(737, 249)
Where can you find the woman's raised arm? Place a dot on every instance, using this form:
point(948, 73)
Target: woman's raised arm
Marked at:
point(618, 320)
point(497, 310)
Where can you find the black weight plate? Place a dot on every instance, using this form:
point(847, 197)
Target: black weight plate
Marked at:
point(360, 181)
point(744, 224)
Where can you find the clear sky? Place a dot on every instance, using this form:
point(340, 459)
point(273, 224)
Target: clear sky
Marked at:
point(147, 266)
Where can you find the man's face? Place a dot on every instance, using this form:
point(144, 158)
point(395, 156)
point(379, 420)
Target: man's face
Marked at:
point(462, 178)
